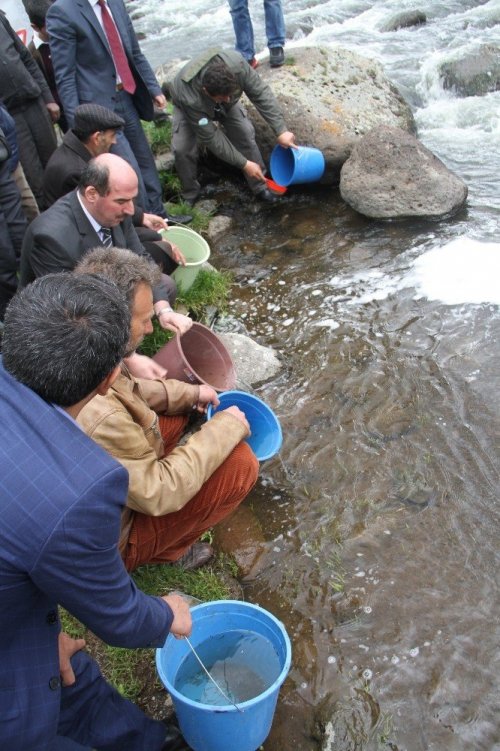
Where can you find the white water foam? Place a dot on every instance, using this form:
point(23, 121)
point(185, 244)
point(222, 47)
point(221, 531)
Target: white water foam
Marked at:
point(464, 271)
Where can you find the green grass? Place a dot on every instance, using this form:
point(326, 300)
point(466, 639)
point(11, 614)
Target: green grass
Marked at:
point(159, 135)
point(210, 289)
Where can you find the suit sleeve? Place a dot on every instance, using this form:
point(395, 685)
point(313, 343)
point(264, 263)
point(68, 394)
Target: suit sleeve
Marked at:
point(63, 52)
point(30, 64)
point(82, 569)
point(45, 255)
point(132, 242)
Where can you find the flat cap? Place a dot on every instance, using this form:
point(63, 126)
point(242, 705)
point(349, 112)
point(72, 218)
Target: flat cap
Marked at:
point(92, 117)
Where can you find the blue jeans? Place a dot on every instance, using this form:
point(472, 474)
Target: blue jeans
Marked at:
point(132, 145)
point(242, 23)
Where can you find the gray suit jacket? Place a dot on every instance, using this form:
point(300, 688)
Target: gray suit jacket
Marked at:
point(59, 237)
point(82, 61)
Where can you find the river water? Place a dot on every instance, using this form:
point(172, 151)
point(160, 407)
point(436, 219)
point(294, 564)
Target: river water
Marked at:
point(381, 516)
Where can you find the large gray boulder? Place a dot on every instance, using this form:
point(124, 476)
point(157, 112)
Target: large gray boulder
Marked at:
point(474, 74)
point(390, 175)
point(330, 99)
point(405, 20)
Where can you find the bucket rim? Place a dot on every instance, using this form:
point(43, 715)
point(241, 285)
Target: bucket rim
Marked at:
point(219, 708)
point(271, 452)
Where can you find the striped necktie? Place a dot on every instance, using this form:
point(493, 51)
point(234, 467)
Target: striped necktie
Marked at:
point(117, 51)
point(106, 237)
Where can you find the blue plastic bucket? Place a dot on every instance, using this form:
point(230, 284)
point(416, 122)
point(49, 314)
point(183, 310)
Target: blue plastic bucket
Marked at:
point(292, 166)
point(224, 727)
point(266, 438)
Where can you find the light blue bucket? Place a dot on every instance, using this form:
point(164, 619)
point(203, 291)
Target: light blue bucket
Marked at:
point(225, 727)
point(266, 435)
point(304, 164)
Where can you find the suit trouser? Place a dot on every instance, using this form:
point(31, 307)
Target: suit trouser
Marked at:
point(94, 714)
point(12, 228)
point(36, 140)
point(240, 131)
point(133, 146)
point(163, 539)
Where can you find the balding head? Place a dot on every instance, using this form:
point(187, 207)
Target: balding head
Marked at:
point(108, 186)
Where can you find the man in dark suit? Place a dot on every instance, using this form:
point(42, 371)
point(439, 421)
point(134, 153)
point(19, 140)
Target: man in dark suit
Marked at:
point(97, 58)
point(60, 510)
point(98, 212)
point(27, 97)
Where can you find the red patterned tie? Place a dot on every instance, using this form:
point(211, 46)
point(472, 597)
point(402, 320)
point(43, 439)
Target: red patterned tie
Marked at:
point(117, 51)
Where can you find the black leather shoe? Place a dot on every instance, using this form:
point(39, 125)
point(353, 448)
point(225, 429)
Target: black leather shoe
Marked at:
point(276, 57)
point(174, 740)
point(266, 196)
point(179, 218)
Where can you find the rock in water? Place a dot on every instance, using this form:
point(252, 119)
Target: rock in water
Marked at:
point(390, 175)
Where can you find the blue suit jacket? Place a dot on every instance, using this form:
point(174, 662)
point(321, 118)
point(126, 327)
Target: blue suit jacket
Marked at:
point(61, 497)
point(82, 61)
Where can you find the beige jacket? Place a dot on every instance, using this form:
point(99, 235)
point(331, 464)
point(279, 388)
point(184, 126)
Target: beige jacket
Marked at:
point(125, 423)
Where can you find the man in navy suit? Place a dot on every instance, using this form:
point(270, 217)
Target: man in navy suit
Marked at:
point(61, 498)
point(88, 69)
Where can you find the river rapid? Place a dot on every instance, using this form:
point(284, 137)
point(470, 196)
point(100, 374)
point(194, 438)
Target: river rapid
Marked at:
point(380, 519)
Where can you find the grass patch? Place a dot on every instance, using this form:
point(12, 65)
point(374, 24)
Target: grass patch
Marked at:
point(159, 135)
point(210, 289)
point(200, 219)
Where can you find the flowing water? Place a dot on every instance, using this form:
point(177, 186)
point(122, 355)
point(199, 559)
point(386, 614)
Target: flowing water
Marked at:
point(381, 514)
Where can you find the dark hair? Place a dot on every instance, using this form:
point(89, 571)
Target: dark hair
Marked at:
point(36, 10)
point(63, 334)
point(123, 267)
point(95, 175)
point(217, 79)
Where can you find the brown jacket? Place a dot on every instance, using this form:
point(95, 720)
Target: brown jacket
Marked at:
point(125, 423)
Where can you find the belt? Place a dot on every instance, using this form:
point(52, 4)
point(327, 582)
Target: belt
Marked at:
point(119, 87)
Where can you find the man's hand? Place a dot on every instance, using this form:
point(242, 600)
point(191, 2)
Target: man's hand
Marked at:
point(144, 367)
point(207, 396)
point(175, 322)
point(287, 140)
point(160, 101)
point(176, 254)
point(154, 222)
point(236, 412)
point(67, 648)
point(54, 111)
point(252, 169)
point(182, 623)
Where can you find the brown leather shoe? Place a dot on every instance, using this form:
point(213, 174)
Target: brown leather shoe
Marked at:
point(196, 556)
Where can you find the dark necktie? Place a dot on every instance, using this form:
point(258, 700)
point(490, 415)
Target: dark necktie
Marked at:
point(117, 51)
point(106, 237)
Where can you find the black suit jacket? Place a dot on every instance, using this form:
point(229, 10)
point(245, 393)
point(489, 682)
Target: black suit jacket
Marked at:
point(59, 237)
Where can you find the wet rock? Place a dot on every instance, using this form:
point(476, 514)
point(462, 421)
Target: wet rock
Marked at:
point(165, 161)
point(241, 536)
point(330, 98)
point(405, 20)
point(253, 362)
point(475, 74)
point(218, 226)
point(390, 175)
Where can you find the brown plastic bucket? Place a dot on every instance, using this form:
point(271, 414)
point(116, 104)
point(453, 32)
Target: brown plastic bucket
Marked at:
point(198, 356)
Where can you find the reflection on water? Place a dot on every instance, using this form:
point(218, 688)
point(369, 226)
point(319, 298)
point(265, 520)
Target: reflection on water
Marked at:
point(380, 516)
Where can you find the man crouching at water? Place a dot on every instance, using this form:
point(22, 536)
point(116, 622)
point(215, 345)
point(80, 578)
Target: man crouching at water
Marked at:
point(60, 509)
point(175, 492)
